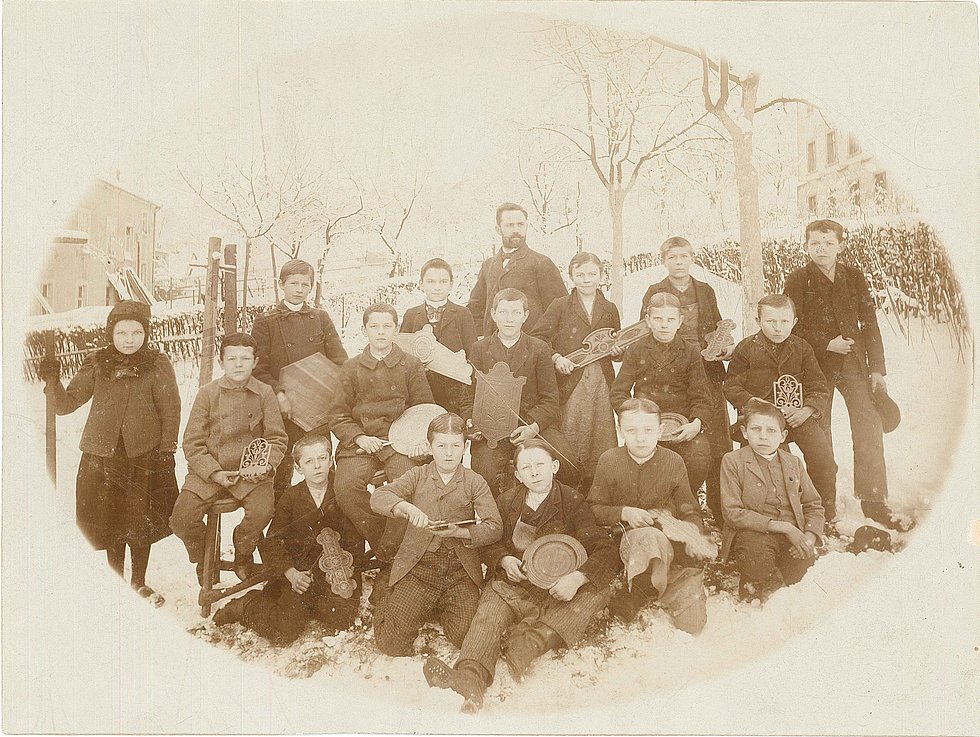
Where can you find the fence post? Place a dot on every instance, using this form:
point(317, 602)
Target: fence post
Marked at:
point(50, 416)
point(210, 309)
point(229, 288)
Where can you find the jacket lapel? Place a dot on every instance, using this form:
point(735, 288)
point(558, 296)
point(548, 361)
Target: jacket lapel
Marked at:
point(791, 480)
point(448, 318)
point(752, 466)
point(522, 354)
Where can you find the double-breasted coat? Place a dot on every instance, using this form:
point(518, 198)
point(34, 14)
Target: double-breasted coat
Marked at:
point(757, 362)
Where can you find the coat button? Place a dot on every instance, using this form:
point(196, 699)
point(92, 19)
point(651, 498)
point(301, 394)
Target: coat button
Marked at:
point(393, 387)
point(289, 344)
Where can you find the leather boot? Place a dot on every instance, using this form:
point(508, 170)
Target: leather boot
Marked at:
point(527, 643)
point(467, 679)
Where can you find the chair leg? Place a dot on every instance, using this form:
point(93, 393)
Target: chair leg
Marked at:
point(212, 551)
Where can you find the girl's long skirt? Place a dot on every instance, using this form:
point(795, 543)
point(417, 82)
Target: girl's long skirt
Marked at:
point(587, 419)
point(124, 500)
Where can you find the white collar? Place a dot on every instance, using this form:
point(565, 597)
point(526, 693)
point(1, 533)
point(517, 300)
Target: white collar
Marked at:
point(438, 304)
point(767, 457)
point(317, 495)
point(640, 462)
point(509, 344)
point(294, 308)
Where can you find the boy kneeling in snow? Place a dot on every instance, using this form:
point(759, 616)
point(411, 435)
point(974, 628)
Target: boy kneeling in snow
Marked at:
point(773, 515)
point(537, 619)
point(312, 548)
point(637, 487)
point(437, 566)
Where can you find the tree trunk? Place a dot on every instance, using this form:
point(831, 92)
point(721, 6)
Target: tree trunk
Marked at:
point(248, 258)
point(750, 232)
point(616, 200)
point(275, 269)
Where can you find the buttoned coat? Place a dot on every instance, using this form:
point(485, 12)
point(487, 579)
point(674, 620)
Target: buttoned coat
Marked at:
point(283, 336)
point(843, 307)
point(223, 421)
point(373, 394)
point(529, 271)
point(670, 374)
point(563, 512)
point(291, 540)
point(565, 324)
point(144, 409)
point(466, 496)
point(455, 329)
point(708, 317)
point(531, 358)
point(757, 362)
point(744, 491)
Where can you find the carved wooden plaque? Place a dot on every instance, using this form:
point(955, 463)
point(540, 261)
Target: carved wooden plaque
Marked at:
point(310, 384)
point(255, 456)
point(719, 340)
point(497, 403)
point(787, 391)
point(434, 355)
point(336, 563)
point(599, 343)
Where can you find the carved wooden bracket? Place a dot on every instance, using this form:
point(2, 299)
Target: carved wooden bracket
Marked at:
point(434, 355)
point(310, 384)
point(719, 340)
point(600, 343)
point(497, 403)
point(787, 391)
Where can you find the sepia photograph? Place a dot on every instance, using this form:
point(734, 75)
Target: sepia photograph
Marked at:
point(537, 368)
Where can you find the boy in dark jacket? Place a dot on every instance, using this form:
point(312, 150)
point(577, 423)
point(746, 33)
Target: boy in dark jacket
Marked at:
point(228, 414)
point(632, 480)
point(699, 318)
point(762, 358)
point(539, 619)
point(452, 325)
point(837, 318)
point(528, 357)
point(291, 331)
point(300, 590)
point(376, 386)
point(669, 371)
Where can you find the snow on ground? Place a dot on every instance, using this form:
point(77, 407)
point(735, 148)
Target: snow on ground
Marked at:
point(615, 662)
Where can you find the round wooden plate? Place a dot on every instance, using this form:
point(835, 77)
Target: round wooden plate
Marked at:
point(409, 430)
point(552, 556)
point(671, 423)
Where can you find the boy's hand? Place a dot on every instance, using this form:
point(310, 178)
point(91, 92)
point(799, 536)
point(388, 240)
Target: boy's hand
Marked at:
point(257, 472)
point(415, 516)
point(636, 517)
point(726, 353)
point(369, 443)
point(524, 433)
point(284, 405)
point(471, 433)
point(419, 451)
point(802, 542)
point(796, 416)
point(878, 382)
point(299, 580)
point(512, 567)
point(840, 344)
point(617, 351)
point(563, 365)
point(688, 431)
point(568, 585)
point(226, 478)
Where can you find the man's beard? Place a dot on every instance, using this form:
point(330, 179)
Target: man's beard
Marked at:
point(514, 242)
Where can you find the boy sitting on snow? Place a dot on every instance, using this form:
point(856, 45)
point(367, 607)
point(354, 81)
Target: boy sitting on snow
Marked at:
point(773, 515)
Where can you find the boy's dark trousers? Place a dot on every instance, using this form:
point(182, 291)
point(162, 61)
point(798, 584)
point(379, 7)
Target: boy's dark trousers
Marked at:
point(280, 615)
point(187, 521)
point(350, 486)
point(764, 562)
point(284, 473)
point(437, 584)
point(820, 464)
point(852, 381)
point(696, 453)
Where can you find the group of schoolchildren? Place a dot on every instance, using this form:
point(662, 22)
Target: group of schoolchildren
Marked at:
point(450, 540)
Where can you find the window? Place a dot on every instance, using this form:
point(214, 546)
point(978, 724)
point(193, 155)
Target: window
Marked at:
point(81, 294)
point(47, 289)
point(856, 194)
point(881, 182)
point(853, 147)
point(83, 220)
point(129, 243)
point(144, 222)
point(832, 204)
point(831, 147)
point(811, 204)
point(811, 156)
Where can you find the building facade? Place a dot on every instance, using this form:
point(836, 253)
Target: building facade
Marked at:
point(105, 253)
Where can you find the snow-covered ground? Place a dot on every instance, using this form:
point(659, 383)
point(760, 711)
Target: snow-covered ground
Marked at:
point(618, 664)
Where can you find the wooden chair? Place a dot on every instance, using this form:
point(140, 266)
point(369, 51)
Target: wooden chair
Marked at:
point(214, 563)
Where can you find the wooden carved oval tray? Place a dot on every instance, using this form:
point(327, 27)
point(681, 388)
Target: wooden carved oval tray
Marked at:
point(552, 556)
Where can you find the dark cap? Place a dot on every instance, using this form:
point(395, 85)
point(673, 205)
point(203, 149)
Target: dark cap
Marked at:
point(128, 309)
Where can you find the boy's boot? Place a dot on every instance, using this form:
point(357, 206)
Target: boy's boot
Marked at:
point(527, 643)
point(880, 512)
point(468, 679)
point(234, 610)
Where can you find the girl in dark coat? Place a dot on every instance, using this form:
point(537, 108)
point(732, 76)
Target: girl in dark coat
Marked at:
point(126, 486)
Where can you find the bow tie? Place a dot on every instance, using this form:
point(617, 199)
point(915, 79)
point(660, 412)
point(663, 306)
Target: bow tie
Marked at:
point(434, 314)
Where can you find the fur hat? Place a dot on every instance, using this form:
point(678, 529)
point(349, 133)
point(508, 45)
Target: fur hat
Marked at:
point(128, 309)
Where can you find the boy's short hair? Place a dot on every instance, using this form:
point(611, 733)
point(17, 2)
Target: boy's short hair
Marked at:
point(308, 441)
point(237, 339)
point(638, 404)
point(296, 266)
point(507, 207)
point(776, 301)
point(824, 226)
point(510, 295)
point(446, 424)
point(531, 445)
point(756, 406)
point(675, 242)
point(580, 259)
point(379, 307)
point(662, 299)
point(436, 263)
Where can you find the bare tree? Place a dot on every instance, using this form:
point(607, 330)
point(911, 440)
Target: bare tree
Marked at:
point(636, 108)
point(393, 209)
point(555, 201)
